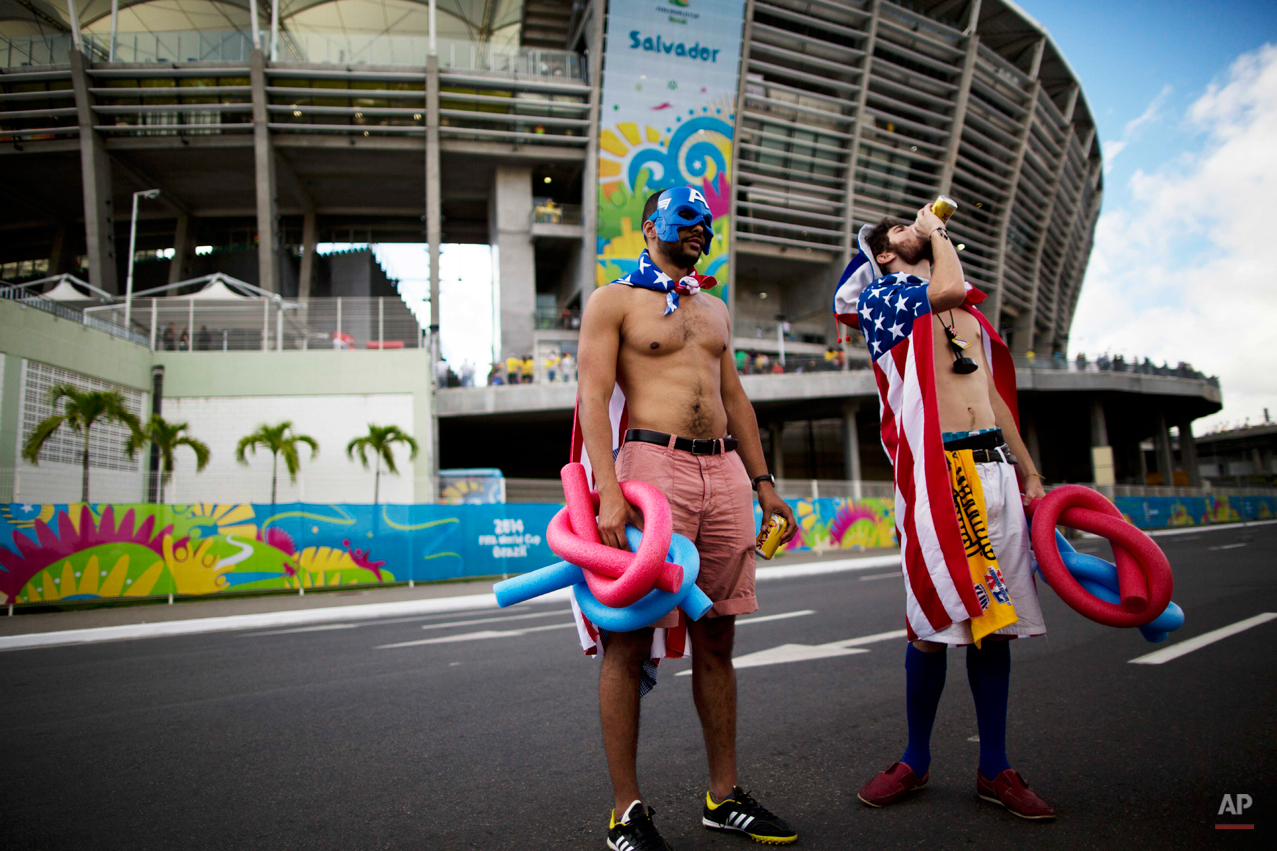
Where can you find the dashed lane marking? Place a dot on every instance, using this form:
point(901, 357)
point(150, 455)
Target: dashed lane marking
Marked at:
point(476, 636)
point(1183, 648)
point(786, 653)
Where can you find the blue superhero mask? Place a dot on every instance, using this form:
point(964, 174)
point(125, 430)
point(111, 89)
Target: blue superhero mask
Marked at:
point(682, 207)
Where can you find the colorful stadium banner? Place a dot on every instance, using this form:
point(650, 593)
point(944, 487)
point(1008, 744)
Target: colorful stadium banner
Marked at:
point(53, 553)
point(667, 111)
point(57, 553)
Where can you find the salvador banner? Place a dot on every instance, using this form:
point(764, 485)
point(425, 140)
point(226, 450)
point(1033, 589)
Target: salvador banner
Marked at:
point(666, 117)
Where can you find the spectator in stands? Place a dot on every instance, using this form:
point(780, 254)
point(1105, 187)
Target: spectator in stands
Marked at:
point(551, 365)
point(1081, 362)
point(512, 365)
point(528, 369)
point(203, 340)
point(778, 368)
point(567, 365)
point(742, 361)
point(184, 341)
point(169, 337)
point(840, 360)
point(467, 374)
point(761, 362)
point(831, 359)
point(494, 376)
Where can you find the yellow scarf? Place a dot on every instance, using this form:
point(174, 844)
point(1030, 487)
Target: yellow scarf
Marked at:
point(990, 588)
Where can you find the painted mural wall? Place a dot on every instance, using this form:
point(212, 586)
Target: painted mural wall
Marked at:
point(53, 553)
point(81, 552)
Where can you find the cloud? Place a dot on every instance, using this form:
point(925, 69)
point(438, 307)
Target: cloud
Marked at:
point(1187, 269)
point(1130, 132)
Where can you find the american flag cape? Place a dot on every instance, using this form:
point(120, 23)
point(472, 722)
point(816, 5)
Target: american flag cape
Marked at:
point(893, 313)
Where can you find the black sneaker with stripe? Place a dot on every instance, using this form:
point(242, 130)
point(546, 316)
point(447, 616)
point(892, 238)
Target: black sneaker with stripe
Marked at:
point(742, 813)
point(635, 831)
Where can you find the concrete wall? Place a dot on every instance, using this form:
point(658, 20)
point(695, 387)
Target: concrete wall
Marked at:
point(336, 393)
point(30, 334)
point(326, 392)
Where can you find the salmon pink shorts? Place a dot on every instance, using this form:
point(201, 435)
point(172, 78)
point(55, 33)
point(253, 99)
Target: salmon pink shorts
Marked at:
point(712, 503)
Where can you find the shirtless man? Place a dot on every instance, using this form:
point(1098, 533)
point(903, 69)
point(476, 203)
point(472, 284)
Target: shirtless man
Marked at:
point(692, 434)
point(918, 275)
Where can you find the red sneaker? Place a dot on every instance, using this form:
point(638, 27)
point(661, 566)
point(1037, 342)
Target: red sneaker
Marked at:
point(891, 785)
point(1010, 790)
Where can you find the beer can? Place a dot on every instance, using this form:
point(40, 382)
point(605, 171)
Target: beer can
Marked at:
point(944, 207)
point(776, 526)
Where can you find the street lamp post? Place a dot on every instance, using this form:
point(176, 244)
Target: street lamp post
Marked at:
point(128, 284)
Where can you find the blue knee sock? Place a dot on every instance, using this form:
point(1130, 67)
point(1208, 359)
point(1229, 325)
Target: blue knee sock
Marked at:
point(924, 683)
point(989, 672)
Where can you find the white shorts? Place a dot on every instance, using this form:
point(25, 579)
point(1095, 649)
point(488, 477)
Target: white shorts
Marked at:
point(1009, 534)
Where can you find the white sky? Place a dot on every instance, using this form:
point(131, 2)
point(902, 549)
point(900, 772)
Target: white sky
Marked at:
point(465, 284)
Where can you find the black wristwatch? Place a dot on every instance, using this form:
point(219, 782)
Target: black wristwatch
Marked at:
point(765, 477)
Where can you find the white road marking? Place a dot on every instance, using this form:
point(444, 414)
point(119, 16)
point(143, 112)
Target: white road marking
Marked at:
point(264, 620)
point(879, 576)
point(1228, 546)
point(780, 617)
point(805, 652)
point(476, 636)
point(377, 622)
point(1188, 530)
point(1183, 648)
point(818, 568)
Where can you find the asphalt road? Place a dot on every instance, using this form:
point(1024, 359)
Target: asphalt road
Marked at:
point(322, 738)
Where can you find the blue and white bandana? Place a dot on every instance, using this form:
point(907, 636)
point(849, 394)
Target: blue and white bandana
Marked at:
point(649, 277)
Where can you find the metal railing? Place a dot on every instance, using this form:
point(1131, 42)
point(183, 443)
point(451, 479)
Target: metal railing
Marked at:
point(1105, 364)
point(556, 214)
point(312, 47)
point(62, 311)
point(268, 324)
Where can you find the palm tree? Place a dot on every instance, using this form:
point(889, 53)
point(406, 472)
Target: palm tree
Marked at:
point(279, 440)
point(166, 437)
point(381, 440)
point(83, 409)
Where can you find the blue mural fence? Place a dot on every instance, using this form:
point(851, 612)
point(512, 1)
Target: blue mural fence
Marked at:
point(75, 552)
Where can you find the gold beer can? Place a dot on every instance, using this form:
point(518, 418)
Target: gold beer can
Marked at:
point(776, 526)
point(944, 207)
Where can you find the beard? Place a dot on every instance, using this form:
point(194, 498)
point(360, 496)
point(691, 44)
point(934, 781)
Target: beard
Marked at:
point(680, 253)
point(914, 251)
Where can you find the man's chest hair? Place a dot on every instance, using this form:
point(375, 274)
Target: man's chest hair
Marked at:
point(693, 323)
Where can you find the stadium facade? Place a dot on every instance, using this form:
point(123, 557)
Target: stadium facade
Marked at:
point(506, 124)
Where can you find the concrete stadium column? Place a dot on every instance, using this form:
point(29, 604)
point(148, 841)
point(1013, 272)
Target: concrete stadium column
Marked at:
point(510, 221)
point(310, 238)
point(264, 168)
point(1004, 218)
point(586, 273)
point(851, 442)
point(434, 201)
point(777, 432)
point(1188, 451)
point(1103, 470)
point(1165, 460)
point(62, 251)
point(183, 248)
point(853, 153)
point(960, 107)
point(95, 179)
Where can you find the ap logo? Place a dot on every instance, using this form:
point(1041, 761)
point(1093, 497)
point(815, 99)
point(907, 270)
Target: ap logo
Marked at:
point(1234, 804)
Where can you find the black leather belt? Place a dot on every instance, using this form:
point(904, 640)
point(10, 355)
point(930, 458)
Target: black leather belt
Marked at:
point(999, 456)
point(694, 445)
